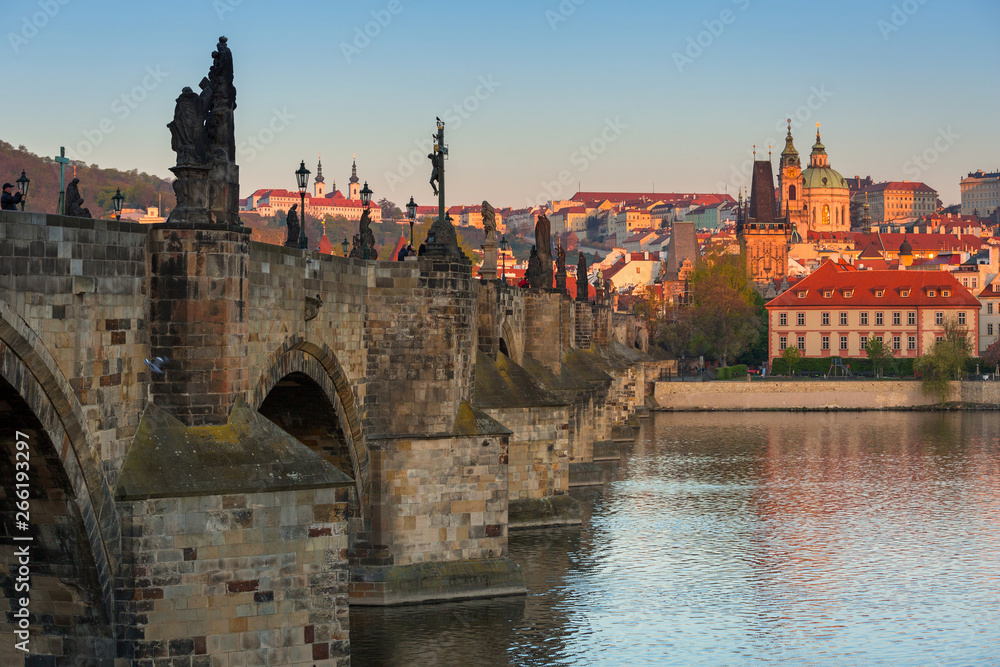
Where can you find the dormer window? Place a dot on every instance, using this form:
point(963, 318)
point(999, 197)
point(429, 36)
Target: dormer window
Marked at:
point(827, 294)
point(931, 293)
point(945, 293)
point(879, 293)
point(802, 295)
point(848, 294)
point(905, 293)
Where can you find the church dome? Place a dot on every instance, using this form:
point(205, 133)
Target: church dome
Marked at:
point(823, 177)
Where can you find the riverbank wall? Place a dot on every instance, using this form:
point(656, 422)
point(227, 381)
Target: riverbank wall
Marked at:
point(816, 395)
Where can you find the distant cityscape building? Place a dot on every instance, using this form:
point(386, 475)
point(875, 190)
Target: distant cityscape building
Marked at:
point(762, 234)
point(980, 193)
point(837, 309)
point(898, 200)
point(268, 201)
point(816, 199)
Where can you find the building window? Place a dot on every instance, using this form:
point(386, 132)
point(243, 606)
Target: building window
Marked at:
point(878, 319)
point(826, 342)
point(911, 343)
point(989, 308)
point(848, 294)
point(826, 319)
point(945, 293)
point(939, 318)
point(879, 293)
point(938, 339)
point(801, 343)
point(843, 319)
point(878, 338)
point(864, 343)
point(896, 343)
point(800, 319)
point(864, 318)
point(802, 295)
point(905, 293)
point(783, 319)
point(931, 293)
point(989, 329)
point(827, 294)
point(911, 318)
point(961, 318)
point(782, 342)
point(897, 319)
point(843, 342)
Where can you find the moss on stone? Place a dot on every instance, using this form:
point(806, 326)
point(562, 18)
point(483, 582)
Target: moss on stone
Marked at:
point(501, 383)
point(248, 454)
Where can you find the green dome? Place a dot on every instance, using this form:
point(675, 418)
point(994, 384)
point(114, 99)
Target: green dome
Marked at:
point(823, 177)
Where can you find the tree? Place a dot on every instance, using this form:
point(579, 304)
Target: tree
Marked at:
point(945, 361)
point(725, 314)
point(648, 309)
point(387, 208)
point(792, 357)
point(991, 357)
point(879, 354)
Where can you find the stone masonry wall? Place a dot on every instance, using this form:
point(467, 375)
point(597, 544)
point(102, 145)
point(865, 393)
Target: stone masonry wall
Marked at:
point(538, 459)
point(198, 320)
point(443, 499)
point(80, 285)
point(243, 579)
point(816, 395)
point(542, 327)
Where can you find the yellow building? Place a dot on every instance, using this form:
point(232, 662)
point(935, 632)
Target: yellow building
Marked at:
point(898, 200)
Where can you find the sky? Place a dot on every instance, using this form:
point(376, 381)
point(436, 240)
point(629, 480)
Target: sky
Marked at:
point(540, 98)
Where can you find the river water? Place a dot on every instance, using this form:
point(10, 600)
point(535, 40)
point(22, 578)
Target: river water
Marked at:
point(749, 538)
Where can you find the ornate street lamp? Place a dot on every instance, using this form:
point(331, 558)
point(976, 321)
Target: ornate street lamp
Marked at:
point(22, 187)
point(302, 177)
point(503, 258)
point(118, 200)
point(366, 196)
point(346, 246)
point(411, 215)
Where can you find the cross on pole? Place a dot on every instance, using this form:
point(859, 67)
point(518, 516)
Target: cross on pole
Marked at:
point(63, 161)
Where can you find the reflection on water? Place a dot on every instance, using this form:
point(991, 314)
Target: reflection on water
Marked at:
point(845, 538)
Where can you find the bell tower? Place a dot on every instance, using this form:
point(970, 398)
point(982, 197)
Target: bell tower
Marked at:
point(354, 190)
point(319, 183)
point(790, 182)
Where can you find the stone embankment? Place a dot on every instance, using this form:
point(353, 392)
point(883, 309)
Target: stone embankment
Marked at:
point(816, 395)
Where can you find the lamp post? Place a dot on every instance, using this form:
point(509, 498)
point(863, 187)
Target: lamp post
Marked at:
point(346, 246)
point(411, 214)
point(302, 177)
point(366, 201)
point(503, 258)
point(118, 200)
point(22, 187)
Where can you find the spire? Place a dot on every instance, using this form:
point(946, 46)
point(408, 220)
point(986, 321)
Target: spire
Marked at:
point(354, 170)
point(789, 156)
point(319, 170)
point(818, 147)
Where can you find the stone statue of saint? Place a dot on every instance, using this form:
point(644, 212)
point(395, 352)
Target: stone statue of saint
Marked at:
point(187, 129)
point(356, 247)
point(561, 259)
point(435, 172)
point(534, 271)
point(582, 289)
point(489, 222)
point(368, 250)
point(292, 222)
point(543, 240)
point(74, 202)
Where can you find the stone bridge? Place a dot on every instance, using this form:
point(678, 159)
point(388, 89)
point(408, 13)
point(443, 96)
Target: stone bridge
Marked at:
point(325, 429)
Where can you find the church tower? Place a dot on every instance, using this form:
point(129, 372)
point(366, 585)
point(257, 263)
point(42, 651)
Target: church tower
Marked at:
point(762, 234)
point(790, 182)
point(319, 184)
point(354, 190)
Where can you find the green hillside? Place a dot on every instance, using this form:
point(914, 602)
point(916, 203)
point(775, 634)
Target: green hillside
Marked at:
point(97, 186)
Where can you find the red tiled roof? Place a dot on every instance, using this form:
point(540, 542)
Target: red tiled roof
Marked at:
point(650, 197)
point(838, 280)
point(919, 242)
point(906, 186)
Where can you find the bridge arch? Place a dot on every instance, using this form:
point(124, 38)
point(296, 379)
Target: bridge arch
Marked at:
point(508, 343)
point(303, 361)
point(77, 536)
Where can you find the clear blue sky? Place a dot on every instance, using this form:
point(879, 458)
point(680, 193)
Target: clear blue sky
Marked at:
point(627, 79)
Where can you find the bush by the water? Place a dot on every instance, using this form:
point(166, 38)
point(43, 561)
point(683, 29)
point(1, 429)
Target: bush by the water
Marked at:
point(821, 366)
point(737, 372)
